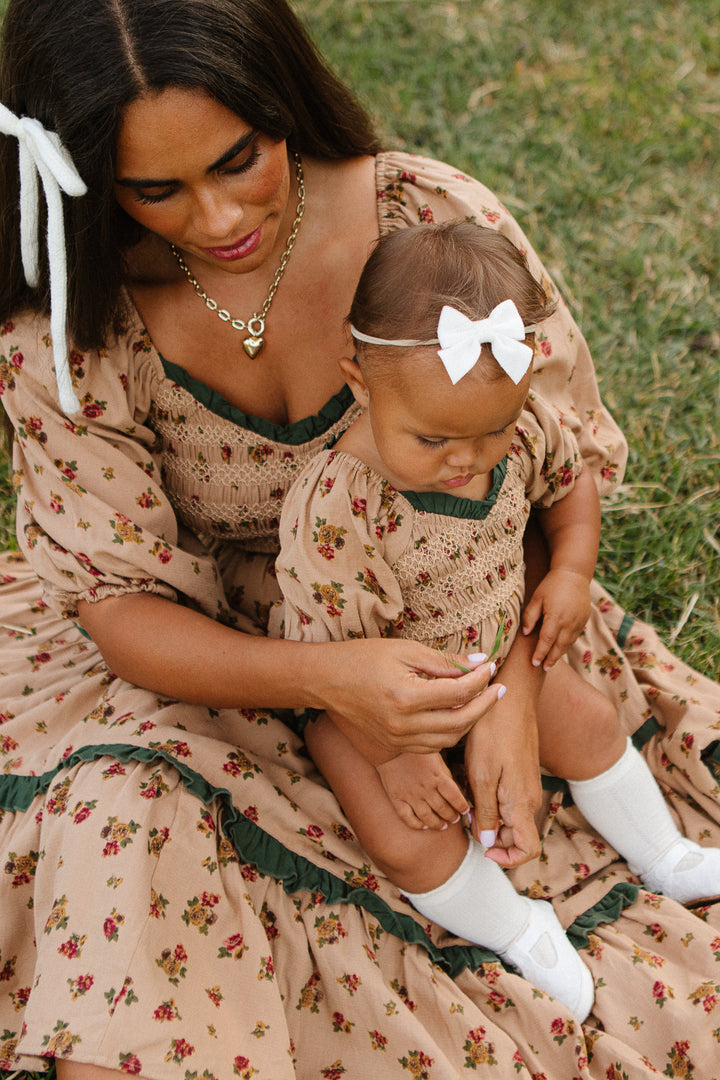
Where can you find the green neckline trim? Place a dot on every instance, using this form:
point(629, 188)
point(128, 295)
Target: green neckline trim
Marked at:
point(302, 431)
point(294, 871)
point(440, 502)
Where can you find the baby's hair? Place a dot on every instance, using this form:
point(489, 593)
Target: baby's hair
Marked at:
point(412, 272)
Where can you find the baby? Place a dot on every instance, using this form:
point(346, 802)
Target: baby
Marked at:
point(412, 524)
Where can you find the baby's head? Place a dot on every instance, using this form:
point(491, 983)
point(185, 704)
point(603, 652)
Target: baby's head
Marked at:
point(413, 273)
point(442, 416)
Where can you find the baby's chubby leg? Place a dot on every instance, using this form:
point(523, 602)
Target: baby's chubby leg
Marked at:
point(413, 858)
point(579, 733)
point(445, 875)
point(581, 740)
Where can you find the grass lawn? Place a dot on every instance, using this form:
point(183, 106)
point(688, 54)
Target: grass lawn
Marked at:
point(598, 125)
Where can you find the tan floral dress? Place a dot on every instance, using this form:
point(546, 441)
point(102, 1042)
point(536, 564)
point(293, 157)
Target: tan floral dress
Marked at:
point(180, 896)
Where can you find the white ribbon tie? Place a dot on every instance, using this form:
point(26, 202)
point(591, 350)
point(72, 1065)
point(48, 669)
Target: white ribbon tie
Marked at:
point(462, 339)
point(43, 154)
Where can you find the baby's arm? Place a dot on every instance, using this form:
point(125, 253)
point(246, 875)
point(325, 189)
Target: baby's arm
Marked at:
point(571, 527)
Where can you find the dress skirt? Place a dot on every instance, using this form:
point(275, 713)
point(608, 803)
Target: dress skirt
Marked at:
point(270, 947)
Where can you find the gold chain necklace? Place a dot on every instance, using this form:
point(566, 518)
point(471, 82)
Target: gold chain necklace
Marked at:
point(255, 326)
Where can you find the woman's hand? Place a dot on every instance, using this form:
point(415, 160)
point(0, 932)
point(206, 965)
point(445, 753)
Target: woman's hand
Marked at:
point(503, 771)
point(401, 695)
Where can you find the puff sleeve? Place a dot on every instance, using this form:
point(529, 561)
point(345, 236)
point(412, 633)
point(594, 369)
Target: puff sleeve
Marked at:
point(92, 517)
point(549, 451)
point(414, 190)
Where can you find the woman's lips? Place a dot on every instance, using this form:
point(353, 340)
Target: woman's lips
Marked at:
point(240, 249)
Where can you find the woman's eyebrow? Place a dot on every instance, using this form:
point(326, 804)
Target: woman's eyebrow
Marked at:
point(230, 153)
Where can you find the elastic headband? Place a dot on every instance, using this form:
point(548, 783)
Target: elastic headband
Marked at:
point(461, 340)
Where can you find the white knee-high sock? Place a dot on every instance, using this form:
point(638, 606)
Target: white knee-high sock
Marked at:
point(477, 902)
point(627, 808)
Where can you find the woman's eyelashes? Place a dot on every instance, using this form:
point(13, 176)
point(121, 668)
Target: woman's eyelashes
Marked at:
point(148, 199)
point(243, 166)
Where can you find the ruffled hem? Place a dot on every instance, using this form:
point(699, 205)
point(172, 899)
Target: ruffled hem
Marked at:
point(296, 873)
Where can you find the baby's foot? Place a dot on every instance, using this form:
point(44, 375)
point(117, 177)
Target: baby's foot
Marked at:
point(544, 956)
point(686, 873)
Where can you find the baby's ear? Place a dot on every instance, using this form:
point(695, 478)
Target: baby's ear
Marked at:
point(353, 376)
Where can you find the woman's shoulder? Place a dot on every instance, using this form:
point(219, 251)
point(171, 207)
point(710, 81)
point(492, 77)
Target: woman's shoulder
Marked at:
point(418, 190)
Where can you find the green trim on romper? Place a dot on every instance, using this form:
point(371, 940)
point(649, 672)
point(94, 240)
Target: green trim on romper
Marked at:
point(441, 502)
point(302, 431)
point(294, 871)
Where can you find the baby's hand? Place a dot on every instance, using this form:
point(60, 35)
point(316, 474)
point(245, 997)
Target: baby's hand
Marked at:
point(562, 601)
point(422, 791)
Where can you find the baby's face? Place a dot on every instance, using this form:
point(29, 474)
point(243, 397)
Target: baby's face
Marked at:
point(433, 436)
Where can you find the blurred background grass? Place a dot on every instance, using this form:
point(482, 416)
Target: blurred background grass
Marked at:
point(598, 126)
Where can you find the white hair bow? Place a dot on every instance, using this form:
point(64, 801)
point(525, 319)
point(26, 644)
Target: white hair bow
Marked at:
point(43, 154)
point(461, 341)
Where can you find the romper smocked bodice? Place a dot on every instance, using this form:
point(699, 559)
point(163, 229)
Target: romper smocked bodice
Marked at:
point(361, 559)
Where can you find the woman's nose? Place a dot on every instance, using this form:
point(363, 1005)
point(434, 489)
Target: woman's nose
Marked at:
point(216, 217)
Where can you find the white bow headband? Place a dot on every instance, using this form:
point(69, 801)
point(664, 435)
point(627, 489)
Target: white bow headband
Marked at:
point(461, 340)
point(41, 152)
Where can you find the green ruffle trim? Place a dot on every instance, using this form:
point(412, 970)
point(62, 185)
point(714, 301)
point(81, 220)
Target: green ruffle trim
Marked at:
point(293, 871)
point(609, 909)
point(302, 431)
point(440, 502)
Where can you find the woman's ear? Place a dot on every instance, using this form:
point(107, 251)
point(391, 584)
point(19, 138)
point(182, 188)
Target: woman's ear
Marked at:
point(353, 377)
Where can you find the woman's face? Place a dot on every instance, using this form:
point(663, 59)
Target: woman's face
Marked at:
point(200, 177)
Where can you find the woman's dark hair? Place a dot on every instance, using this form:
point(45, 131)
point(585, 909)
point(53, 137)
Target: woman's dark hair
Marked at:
point(412, 273)
point(75, 65)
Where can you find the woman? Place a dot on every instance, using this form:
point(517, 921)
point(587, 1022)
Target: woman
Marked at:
point(197, 902)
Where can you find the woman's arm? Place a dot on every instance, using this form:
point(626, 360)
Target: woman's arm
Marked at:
point(501, 753)
point(397, 693)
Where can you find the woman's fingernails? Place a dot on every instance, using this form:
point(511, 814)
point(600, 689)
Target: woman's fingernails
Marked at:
point(502, 691)
point(487, 837)
point(477, 658)
point(493, 668)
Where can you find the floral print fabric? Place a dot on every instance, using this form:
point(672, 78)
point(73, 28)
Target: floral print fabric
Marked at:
point(360, 559)
point(181, 896)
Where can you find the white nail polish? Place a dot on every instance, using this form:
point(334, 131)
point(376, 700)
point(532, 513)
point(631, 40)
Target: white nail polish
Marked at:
point(502, 691)
point(487, 838)
point(493, 668)
point(477, 657)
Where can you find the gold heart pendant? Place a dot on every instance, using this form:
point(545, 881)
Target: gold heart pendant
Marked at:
point(252, 345)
